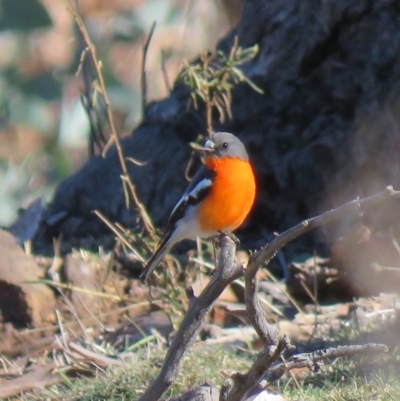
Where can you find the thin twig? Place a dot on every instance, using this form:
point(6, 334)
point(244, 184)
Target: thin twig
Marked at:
point(87, 320)
point(165, 73)
point(63, 333)
point(73, 311)
point(71, 287)
point(117, 231)
point(114, 139)
point(286, 293)
point(143, 78)
point(293, 377)
point(89, 96)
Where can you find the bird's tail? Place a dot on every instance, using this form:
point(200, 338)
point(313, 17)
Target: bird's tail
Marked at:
point(164, 246)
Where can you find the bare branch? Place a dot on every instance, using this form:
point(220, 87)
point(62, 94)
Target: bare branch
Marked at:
point(193, 322)
point(269, 334)
point(265, 254)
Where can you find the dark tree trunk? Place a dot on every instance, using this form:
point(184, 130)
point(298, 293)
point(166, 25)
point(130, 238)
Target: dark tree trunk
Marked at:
point(325, 130)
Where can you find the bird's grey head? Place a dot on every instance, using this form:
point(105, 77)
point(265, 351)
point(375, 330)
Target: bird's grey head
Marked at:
point(224, 144)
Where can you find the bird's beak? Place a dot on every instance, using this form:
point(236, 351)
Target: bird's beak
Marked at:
point(208, 147)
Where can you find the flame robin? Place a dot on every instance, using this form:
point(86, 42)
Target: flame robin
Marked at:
point(217, 200)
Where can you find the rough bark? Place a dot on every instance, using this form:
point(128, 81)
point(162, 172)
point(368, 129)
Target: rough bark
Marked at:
point(327, 123)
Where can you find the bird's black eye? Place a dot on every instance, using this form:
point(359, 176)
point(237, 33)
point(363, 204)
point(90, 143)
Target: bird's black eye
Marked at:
point(224, 145)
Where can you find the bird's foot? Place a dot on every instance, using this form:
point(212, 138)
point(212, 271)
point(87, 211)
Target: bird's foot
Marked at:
point(216, 240)
point(230, 235)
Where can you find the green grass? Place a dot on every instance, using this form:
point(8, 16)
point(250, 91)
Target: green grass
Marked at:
point(383, 386)
point(128, 383)
point(353, 379)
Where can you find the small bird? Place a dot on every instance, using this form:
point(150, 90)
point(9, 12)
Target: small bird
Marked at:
point(217, 200)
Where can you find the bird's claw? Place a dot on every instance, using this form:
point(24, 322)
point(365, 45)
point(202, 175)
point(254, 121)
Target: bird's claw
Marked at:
point(230, 235)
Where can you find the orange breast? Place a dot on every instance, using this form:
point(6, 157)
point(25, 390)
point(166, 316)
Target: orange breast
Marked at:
point(232, 196)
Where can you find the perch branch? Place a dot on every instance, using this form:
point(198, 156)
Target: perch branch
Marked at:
point(199, 308)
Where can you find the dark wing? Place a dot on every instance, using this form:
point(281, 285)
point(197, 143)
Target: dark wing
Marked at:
point(197, 190)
